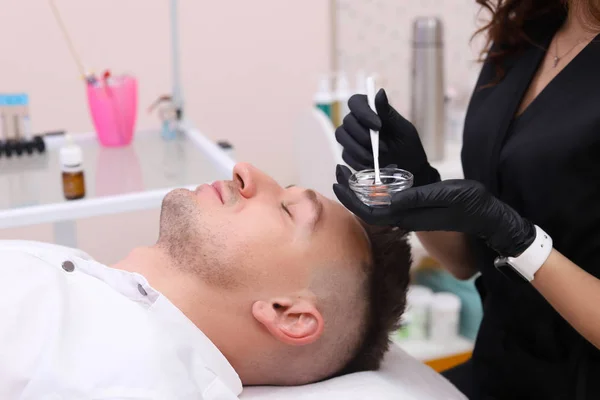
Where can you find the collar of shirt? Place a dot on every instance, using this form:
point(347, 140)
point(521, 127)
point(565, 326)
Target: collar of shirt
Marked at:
point(184, 331)
point(186, 336)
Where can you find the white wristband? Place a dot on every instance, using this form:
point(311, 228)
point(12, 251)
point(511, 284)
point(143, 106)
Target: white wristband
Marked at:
point(532, 259)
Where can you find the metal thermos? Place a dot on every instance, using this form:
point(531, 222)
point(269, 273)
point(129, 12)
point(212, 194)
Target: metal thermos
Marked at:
point(427, 101)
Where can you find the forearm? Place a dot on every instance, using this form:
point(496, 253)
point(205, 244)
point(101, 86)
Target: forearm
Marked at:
point(451, 250)
point(574, 294)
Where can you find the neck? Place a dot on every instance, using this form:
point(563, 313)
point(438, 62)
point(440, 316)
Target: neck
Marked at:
point(219, 314)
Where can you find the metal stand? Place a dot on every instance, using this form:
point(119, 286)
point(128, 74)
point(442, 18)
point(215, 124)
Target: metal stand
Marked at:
point(177, 95)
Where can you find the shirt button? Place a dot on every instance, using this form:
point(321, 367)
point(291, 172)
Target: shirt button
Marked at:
point(142, 290)
point(68, 266)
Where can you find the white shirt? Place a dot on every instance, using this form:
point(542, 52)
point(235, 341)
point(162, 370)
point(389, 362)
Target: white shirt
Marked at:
point(74, 329)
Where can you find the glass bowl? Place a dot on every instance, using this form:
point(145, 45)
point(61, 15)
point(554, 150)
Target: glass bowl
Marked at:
point(393, 180)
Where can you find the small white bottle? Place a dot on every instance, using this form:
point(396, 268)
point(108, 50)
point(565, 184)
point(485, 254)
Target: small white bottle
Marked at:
point(456, 112)
point(342, 94)
point(445, 317)
point(415, 320)
point(2, 134)
point(418, 303)
point(27, 128)
point(71, 163)
point(361, 79)
point(404, 332)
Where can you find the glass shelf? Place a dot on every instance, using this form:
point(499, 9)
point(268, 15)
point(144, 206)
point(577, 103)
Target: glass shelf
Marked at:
point(149, 163)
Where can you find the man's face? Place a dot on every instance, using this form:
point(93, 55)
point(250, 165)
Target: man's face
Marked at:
point(250, 233)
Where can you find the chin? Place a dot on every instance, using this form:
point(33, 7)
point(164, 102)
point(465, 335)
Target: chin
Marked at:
point(178, 210)
point(176, 195)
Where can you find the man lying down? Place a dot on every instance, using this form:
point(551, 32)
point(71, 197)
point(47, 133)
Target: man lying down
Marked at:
point(249, 283)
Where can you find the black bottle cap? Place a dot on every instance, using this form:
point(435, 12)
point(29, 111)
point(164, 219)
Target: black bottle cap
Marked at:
point(8, 148)
point(225, 145)
point(29, 146)
point(18, 147)
point(39, 144)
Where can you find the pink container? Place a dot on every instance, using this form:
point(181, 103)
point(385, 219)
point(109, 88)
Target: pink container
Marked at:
point(113, 105)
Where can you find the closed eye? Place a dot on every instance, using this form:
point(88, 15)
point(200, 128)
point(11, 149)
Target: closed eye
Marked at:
point(286, 209)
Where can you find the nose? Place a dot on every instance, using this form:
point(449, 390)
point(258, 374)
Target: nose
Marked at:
point(252, 181)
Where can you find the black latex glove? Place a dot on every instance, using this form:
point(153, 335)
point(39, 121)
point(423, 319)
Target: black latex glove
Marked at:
point(399, 142)
point(456, 205)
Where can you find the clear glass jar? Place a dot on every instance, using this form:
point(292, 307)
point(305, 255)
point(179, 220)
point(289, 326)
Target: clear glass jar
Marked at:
point(393, 180)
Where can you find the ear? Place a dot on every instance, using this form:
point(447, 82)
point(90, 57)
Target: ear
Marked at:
point(294, 321)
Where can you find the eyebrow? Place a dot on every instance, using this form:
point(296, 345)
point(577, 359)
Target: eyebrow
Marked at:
point(317, 206)
point(315, 203)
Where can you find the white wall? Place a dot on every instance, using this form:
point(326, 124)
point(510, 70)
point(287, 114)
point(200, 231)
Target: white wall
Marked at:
point(376, 36)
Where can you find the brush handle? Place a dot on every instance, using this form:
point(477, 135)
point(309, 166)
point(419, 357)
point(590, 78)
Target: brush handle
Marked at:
point(67, 38)
point(374, 134)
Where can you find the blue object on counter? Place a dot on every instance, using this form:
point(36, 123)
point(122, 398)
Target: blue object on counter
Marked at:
point(471, 311)
point(326, 108)
point(168, 130)
point(14, 99)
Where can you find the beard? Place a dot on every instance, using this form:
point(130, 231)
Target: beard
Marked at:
point(194, 244)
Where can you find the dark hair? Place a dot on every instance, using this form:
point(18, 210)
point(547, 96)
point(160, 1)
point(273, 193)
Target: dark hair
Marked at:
point(388, 278)
point(515, 24)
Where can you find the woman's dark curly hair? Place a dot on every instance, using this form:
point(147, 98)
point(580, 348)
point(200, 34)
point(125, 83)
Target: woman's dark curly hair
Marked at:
point(515, 23)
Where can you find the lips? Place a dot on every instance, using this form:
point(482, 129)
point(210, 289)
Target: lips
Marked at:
point(218, 186)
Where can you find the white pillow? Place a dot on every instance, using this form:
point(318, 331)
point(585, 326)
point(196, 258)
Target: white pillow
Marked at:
point(401, 377)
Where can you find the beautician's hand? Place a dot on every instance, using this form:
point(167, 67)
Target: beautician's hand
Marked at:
point(399, 140)
point(453, 205)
